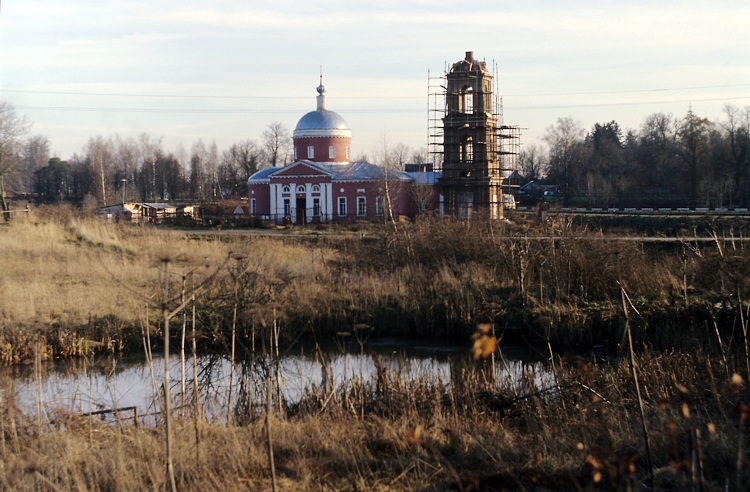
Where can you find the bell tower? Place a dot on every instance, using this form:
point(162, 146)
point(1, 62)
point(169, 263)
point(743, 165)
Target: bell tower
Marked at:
point(472, 179)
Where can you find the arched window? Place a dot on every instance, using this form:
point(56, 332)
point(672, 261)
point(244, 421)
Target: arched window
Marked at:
point(286, 189)
point(467, 150)
point(316, 189)
point(466, 100)
point(301, 189)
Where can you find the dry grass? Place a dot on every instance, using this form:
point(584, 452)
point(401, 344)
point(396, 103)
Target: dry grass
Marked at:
point(67, 279)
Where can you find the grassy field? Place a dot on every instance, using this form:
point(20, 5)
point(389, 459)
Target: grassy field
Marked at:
point(673, 416)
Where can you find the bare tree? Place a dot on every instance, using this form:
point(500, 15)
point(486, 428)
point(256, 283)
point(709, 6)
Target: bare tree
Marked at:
point(361, 157)
point(533, 161)
point(12, 130)
point(565, 140)
point(128, 156)
point(239, 162)
point(198, 158)
point(400, 154)
point(420, 155)
point(387, 160)
point(150, 150)
point(737, 136)
point(277, 144)
point(657, 152)
point(100, 157)
point(36, 155)
point(694, 148)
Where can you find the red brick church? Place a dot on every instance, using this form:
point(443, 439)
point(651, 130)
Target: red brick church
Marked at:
point(323, 185)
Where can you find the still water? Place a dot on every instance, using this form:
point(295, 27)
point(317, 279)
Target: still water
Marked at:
point(101, 383)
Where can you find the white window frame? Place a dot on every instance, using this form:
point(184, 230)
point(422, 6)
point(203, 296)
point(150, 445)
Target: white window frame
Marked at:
point(361, 206)
point(301, 189)
point(342, 206)
point(379, 205)
point(311, 152)
point(295, 154)
point(331, 151)
point(316, 189)
point(287, 207)
point(316, 207)
point(286, 189)
point(253, 207)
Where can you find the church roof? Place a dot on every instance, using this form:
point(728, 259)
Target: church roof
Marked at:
point(321, 122)
point(321, 119)
point(262, 175)
point(364, 171)
point(353, 171)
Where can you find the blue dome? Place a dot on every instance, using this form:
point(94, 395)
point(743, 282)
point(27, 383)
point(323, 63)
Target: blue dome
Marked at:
point(321, 119)
point(321, 122)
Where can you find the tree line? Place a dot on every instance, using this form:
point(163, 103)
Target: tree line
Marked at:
point(109, 170)
point(688, 161)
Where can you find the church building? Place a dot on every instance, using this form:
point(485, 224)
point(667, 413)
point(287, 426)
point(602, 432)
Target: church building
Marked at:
point(322, 184)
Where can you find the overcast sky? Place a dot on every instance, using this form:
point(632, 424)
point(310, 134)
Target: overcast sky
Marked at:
point(223, 70)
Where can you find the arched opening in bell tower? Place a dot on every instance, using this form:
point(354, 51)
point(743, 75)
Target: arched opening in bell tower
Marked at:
point(467, 149)
point(466, 100)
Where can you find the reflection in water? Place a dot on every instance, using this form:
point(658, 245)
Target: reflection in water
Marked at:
point(89, 385)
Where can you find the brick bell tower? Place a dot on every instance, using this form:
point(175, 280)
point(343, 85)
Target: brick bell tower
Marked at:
point(472, 179)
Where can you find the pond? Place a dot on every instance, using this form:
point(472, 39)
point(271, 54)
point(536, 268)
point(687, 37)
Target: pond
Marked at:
point(129, 382)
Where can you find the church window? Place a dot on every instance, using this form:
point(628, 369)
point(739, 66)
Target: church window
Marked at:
point(301, 189)
point(361, 206)
point(316, 189)
point(253, 207)
point(310, 152)
point(331, 152)
point(295, 154)
point(287, 207)
point(347, 152)
point(379, 206)
point(285, 189)
point(342, 206)
point(316, 207)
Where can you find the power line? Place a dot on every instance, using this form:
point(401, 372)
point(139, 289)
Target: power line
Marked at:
point(629, 91)
point(278, 97)
point(357, 111)
point(187, 96)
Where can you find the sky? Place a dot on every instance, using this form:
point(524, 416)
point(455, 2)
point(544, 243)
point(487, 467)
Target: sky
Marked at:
point(223, 70)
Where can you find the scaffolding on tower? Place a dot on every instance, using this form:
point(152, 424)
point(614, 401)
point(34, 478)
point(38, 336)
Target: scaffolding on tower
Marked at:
point(508, 139)
point(436, 103)
point(467, 139)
